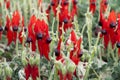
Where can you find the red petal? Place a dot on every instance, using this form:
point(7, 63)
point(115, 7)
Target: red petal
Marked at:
point(16, 18)
point(27, 71)
point(35, 72)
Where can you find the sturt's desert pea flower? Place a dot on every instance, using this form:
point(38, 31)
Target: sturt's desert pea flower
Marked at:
point(31, 39)
point(42, 35)
point(105, 32)
point(58, 53)
point(76, 52)
point(103, 5)
point(112, 26)
point(92, 6)
point(15, 23)
point(7, 3)
point(118, 34)
point(9, 33)
point(74, 8)
point(109, 28)
point(31, 62)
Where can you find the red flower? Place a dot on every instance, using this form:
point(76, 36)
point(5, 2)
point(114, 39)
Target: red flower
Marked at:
point(118, 34)
point(105, 32)
point(54, 4)
point(31, 36)
point(92, 6)
point(9, 31)
point(103, 5)
point(74, 54)
point(58, 50)
point(31, 71)
point(7, 3)
point(15, 24)
point(112, 25)
point(74, 8)
point(43, 37)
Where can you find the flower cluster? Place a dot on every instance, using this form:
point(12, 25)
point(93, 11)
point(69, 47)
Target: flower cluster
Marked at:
point(73, 44)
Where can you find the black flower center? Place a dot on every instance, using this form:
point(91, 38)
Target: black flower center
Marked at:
point(65, 2)
point(100, 23)
point(118, 44)
point(15, 28)
point(75, 1)
point(29, 40)
point(103, 32)
point(39, 36)
point(52, 3)
point(1, 29)
point(80, 54)
point(112, 24)
point(57, 52)
point(65, 21)
point(48, 40)
point(106, 3)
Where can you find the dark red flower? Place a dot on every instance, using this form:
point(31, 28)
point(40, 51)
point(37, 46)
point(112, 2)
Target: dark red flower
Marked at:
point(103, 5)
point(8, 78)
point(105, 32)
point(58, 50)
point(31, 70)
point(43, 38)
point(92, 6)
point(35, 72)
point(27, 71)
point(74, 54)
point(74, 8)
point(112, 25)
point(54, 5)
point(9, 31)
point(31, 35)
point(15, 24)
point(7, 4)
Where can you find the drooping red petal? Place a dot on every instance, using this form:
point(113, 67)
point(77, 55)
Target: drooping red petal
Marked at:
point(42, 28)
point(103, 5)
point(7, 4)
point(92, 6)
point(16, 18)
point(112, 19)
point(27, 71)
point(31, 31)
point(105, 26)
point(9, 33)
point(69, 76)
point(35, 72)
